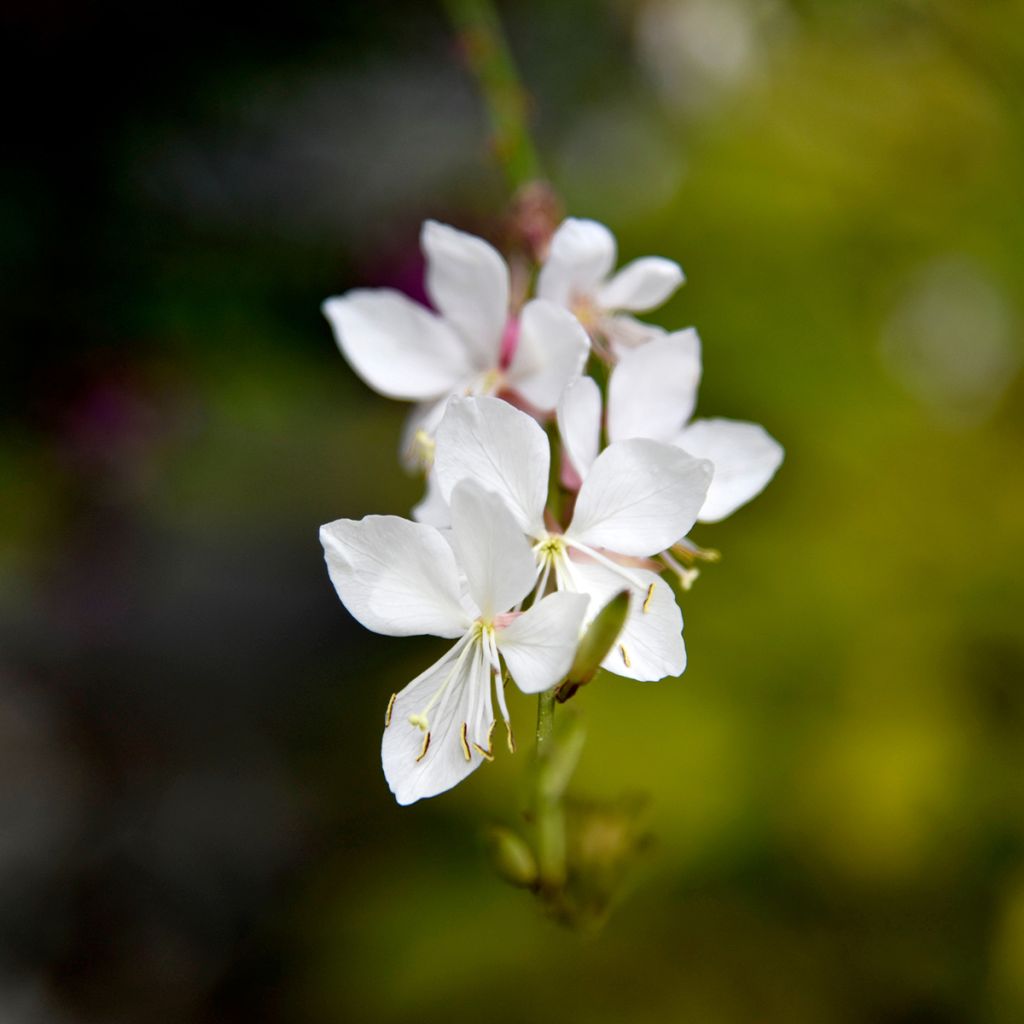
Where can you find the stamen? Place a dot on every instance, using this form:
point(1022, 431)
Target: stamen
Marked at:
point(419, 718)
point(490, 647)
point(686, 576)
point(499, 689)
point(426, 746)
point(688, 552)
point(465, 745)
point(542, 586)
point(625, 656)
point(489, 752)
point(565, 578)
point(606, 562)
point(391, 707)
point(647, 600)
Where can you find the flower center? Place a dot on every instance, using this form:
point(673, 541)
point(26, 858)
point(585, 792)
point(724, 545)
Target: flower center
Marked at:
point(478, 641)
point(586, 311)
point(490, 382)
point(549, 548)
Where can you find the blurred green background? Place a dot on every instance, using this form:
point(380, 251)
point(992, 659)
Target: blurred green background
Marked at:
point(193, 821)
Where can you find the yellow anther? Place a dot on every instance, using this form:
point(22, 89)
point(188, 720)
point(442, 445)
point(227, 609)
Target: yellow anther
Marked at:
point(391, 707)
point(687, 552)
point(465, 745)
point(510, 738)
point(647, 599)
point(420, 721)
point(625, 656)
point(688, 577)
point(483, 753)
point(423, 750)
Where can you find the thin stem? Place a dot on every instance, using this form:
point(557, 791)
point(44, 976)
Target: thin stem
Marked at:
point(548, 811)
point(545, 718)
point(487, 53)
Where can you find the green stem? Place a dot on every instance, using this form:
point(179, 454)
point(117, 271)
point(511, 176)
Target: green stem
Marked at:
point(547, 800)
point(487, 53)
point(545, 718)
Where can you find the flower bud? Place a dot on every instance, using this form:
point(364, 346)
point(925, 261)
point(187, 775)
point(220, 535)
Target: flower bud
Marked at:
point(595, 645)
point(512, 857)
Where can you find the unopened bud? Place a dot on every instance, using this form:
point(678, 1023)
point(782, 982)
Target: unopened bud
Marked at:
point(512, 857)
point(598, 640)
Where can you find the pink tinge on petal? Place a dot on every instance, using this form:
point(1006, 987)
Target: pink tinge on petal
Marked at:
point(505, 619)
point(570, 479)
point(509, 342)
point(517, 401)
point(626, 561)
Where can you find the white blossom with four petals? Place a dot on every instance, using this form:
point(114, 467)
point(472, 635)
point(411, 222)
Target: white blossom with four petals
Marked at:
point(639, 497)
point(402, 578)
point(472, 344)
point(652, 393)
point(577, 274)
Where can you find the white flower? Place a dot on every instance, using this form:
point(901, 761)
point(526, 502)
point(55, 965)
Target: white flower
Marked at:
point(471, 345)
point(403, 579)
point(652, 393)
point(639, 497)
point(578, 275)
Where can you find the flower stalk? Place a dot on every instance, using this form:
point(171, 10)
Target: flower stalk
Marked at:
point(545, 719)
point(487, 54)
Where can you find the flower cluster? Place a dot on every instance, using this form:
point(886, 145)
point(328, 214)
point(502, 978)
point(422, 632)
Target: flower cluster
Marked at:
point(506, 558)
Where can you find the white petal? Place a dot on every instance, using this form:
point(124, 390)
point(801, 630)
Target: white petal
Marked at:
point(579, 423)
point(653, 389)
point(501, 448)
point(745, 457)
point(652, 640)
point(411, 777)
point(552, 349)
point(432, 509)
point(491, 548)
point(396, 577)
point(581, 256)
point(639, 498)
point(540, 644)
point(626, 332)
point(468, 282)
point(641, 285)
point(396, 345)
